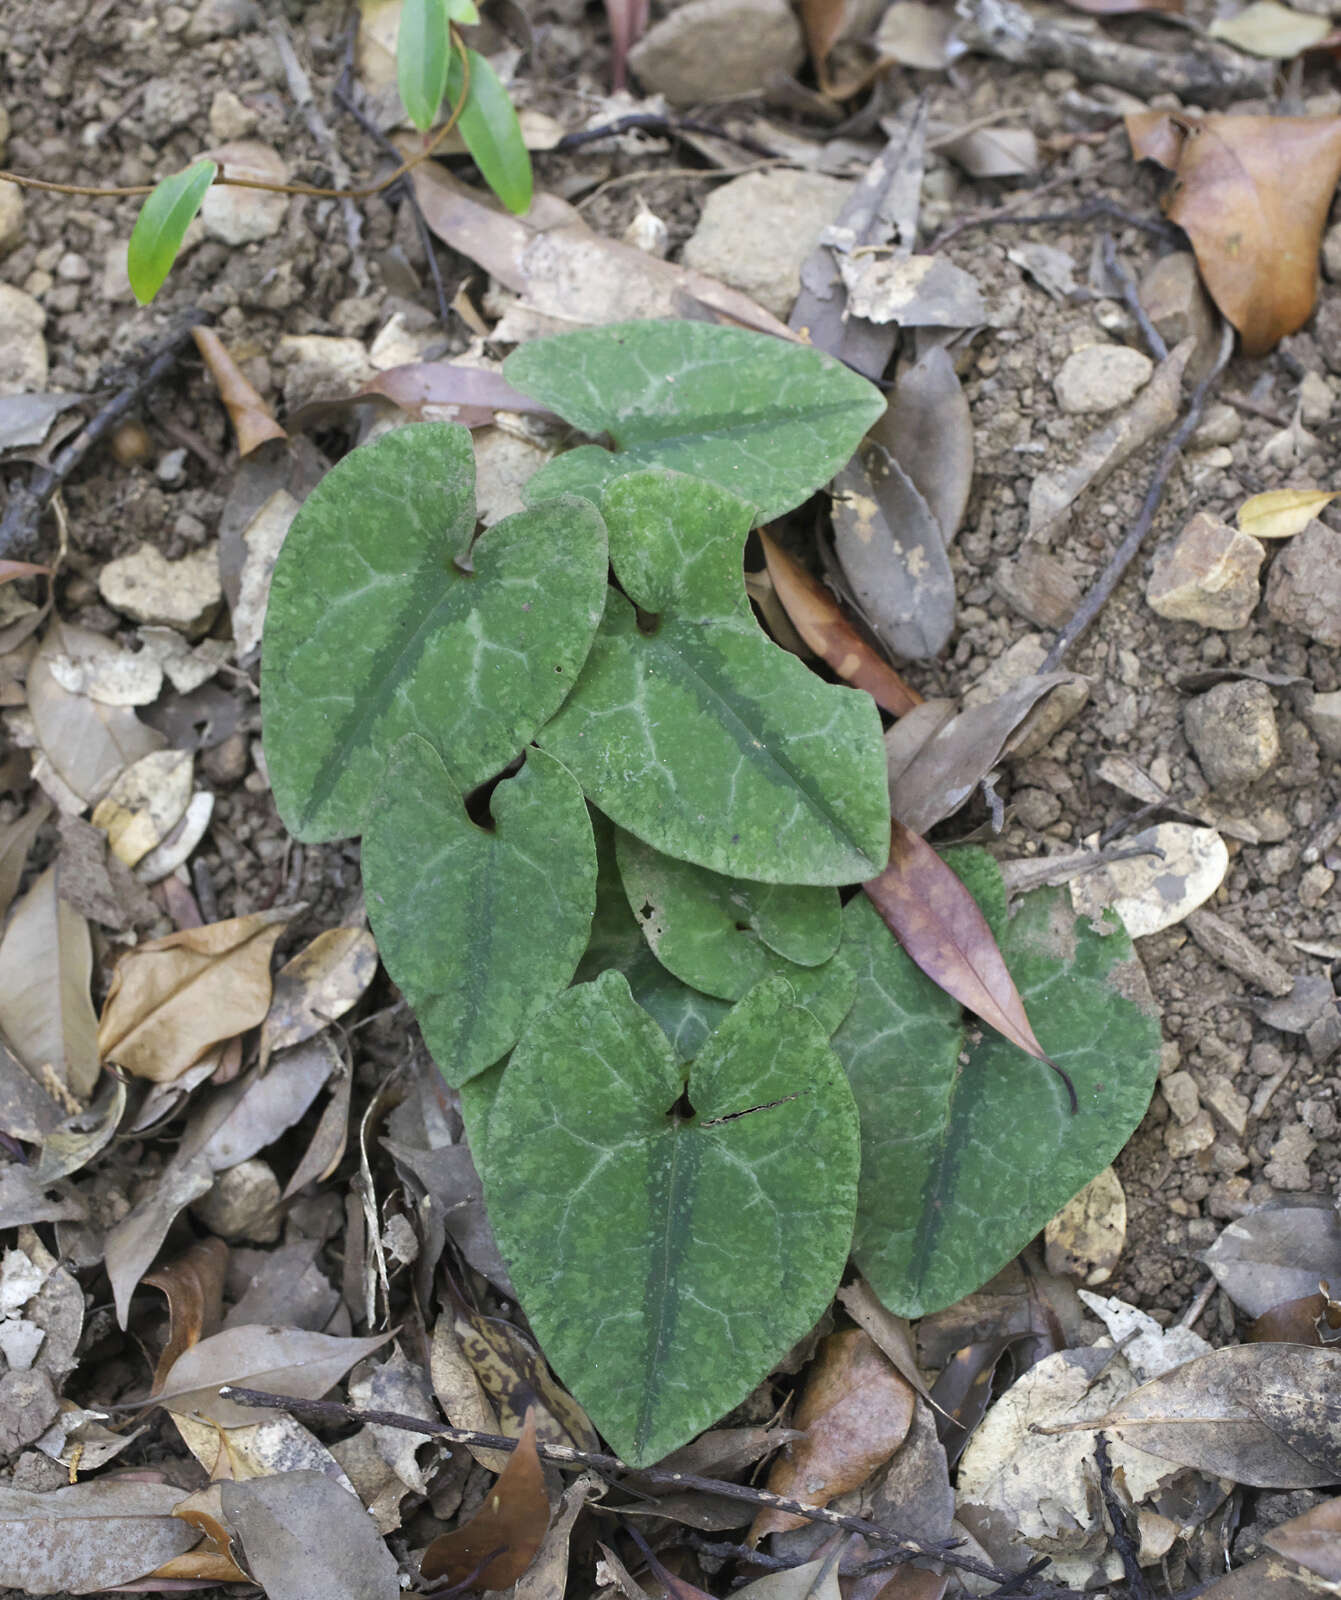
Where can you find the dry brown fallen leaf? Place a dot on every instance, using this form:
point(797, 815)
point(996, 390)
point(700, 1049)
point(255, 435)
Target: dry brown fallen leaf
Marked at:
point(249, 414)
point(1313, 1540)
point(212, 1559)
point(517, 1379)
point(318, 985)
point(819, 619)
point(856, 1411)
point(1252, 195)
point(502, 1539)
point(193, 1284)
point(939, 925)
point(1264, 1415)
point(46, 1014)
point(16, 839)
point(1314, 1320)
point(172, 998)
point(1281, 513)
point(94, 1535)
point(145, 804)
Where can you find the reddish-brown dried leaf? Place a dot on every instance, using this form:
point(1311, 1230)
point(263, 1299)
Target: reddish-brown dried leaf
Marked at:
point(816, 616)
point(445, 391)
point(249, 414)
point(1252, 195)
point(500, 1541)
point(193, 1284)
point(628, 20)
point(823, 22)
point(939, 925)
point(856, 1411)
point(1313, 1319)
point(517, 1379)
point(10, 570)
point(212, 1559)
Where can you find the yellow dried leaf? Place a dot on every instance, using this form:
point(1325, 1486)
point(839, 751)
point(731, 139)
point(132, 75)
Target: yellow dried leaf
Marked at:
point(320, 984)
point(1281, 513)
point(172, 998)
point(145, 804)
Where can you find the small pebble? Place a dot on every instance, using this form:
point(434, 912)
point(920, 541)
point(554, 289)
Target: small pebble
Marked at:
point(1232, 731)
point(1101, 377)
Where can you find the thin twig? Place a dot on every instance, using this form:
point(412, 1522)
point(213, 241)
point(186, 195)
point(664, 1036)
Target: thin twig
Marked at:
point(1012, 210)
point(1154, 339)
point(18, 528)
point(567, 1456)
point(1125, 553)
point(1123, 1542)
point(673, 127)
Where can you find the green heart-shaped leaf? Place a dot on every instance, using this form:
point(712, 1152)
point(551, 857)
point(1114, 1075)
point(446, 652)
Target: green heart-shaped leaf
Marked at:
point(668, 1257)
point(724, 935)
point(384, 619)
point(694, 731)
point(480, 928)
point(769, 420)
point(968, 1144)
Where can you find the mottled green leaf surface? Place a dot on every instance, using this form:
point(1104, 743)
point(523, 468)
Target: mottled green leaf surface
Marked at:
point(384, 620)
point(724, 935)
point(767, 419)
point(692, 730)
point(479, 927)
point(964, 1160)
point(666, 1262)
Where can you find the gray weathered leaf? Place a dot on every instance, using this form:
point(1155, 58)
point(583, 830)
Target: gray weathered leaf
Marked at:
point(893, 555)
point(90, 1536)
point(290, 1361)
point(1278, 1252)
point(306, 1538)
point(929, 432)
point(46, 1013)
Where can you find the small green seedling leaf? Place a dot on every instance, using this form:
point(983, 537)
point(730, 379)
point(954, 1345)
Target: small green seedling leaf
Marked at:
point(161, 226)
point(968, 1144)
point(769, 420)
point(692, 730)
point(493, 135)
point(463, 12)
point(724, 935)
point(423, 49)
point(670, 1241)
point(480, 928)
point(384, 619)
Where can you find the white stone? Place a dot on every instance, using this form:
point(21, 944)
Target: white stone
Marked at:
point(147, 587)
point(321, 367)
point(245, 216)
point(1208, 575)
point(243, 1203)
point(757, 230)
point(11, 216)
point(23, 350)
point(229, 118)
point(1101, 377)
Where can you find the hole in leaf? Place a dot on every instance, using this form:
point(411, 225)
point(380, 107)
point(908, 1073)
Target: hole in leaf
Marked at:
point(742, 927)
point(479, 802)
point(683, 1109)
point(648, 621)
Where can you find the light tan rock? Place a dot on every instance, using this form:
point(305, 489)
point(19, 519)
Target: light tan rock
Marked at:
point(1101, 377)
point(1189, 1138)
point(11, 216)
point(1208, 574)
point(1232, 731)
point(717, 49)
point(245, 216)
point(1227, 1105)
point(23, 350)
point(229, 118)
point(1323, 715)
point(147, 587)
point(756, 231)
point(1180, 1090)
point(243, 1203)
point(1179, 307)
point(1304, 586)
point(320, 367)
